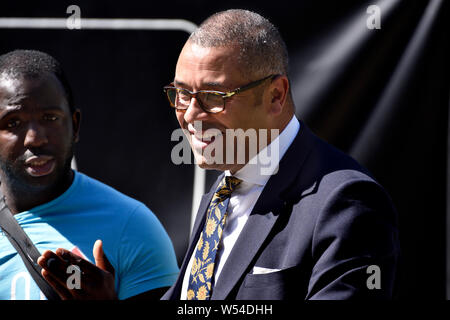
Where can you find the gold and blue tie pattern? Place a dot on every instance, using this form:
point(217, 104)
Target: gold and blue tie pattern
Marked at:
point(201, 277)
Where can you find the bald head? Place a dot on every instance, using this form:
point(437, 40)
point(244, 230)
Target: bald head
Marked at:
point(262, 51)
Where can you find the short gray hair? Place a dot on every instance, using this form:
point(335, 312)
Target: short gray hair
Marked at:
point(261, 48)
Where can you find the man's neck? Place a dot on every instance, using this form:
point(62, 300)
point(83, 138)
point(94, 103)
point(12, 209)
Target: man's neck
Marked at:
point(281, 126)
point(23, 200)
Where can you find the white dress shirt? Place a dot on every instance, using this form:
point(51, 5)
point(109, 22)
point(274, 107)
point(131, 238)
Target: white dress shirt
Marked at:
point(254, 176)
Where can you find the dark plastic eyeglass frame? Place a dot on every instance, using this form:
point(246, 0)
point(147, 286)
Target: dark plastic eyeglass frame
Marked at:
point(223, 95)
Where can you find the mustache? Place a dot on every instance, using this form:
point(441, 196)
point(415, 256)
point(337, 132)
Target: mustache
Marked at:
point(34, 153)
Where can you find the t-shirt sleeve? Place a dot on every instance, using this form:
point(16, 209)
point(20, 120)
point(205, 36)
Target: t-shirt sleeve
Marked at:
point(146, 256)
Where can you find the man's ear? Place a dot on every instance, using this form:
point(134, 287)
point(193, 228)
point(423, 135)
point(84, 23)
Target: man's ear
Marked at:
point(76, 119)
point(279, 90)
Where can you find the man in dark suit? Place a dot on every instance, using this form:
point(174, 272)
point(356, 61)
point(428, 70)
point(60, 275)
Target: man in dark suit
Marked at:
point(315, 225)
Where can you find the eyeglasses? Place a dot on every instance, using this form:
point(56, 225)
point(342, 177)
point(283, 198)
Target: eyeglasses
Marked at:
point(210, 101)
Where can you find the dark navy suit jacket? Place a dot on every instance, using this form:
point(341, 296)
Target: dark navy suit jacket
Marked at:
point(322, 220)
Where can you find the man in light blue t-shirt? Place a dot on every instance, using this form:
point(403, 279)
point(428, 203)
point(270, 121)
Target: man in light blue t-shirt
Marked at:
point(61, 208)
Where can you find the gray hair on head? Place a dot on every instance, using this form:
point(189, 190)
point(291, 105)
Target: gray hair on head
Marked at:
point(262, 51)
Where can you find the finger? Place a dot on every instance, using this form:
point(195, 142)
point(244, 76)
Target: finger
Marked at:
point(74, 259)
point(42, 260)
point(90, 273)
point(63, 292)
point(54, 265)
point(58, 263)
point(101, 260)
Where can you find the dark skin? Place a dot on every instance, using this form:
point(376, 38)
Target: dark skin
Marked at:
point(35, 126)
point(97, 281)
point(37, 133)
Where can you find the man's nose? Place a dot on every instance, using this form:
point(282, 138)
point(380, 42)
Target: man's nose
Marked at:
point(35, 136)
point(194, 111)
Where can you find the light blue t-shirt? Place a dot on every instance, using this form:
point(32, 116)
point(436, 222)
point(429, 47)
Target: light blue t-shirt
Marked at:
point(134, 240)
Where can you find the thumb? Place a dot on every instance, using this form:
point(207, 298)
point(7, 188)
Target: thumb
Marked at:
point(100, 258)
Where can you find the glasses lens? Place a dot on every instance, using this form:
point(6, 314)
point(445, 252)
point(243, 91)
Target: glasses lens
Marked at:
point(178, 98)
point(211, 101)
point(172, 96)
point(183, 99)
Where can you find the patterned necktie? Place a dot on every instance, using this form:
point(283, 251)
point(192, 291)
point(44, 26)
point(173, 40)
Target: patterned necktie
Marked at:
point(201, 277)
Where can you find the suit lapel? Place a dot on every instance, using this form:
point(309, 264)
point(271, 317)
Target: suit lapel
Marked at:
point(250, 240)
point(270, 204)
point(259, 224)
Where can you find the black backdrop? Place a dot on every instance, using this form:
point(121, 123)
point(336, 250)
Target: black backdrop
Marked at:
point(381, 95)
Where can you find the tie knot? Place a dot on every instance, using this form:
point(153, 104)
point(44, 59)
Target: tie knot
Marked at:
point(232, 182)
point(226, 187)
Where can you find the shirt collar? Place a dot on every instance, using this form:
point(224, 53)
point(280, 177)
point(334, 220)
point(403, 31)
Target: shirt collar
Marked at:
point(259, 169)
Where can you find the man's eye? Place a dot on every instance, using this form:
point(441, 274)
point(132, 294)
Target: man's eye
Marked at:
point(13, 123)
point(213, 98)
point(50, 117)
point(184, 96)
